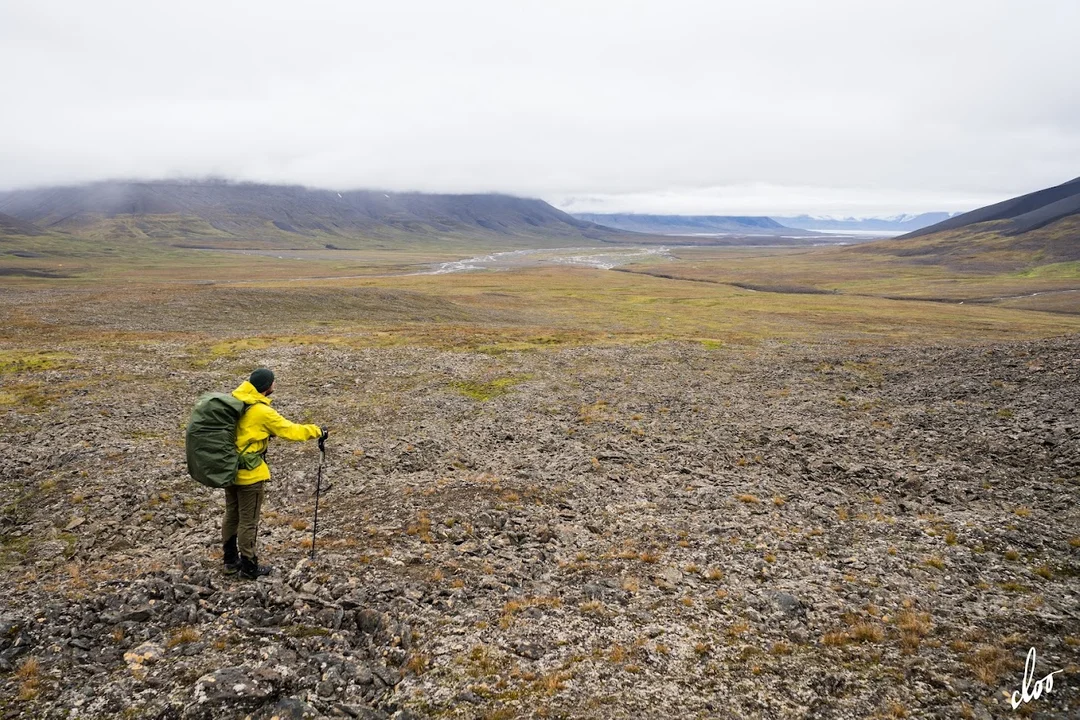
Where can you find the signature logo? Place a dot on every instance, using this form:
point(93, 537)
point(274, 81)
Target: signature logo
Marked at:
point(1027, 691)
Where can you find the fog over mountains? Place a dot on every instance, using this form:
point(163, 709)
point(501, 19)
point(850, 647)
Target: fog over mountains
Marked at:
point(894, 223)
point(780, 226)
point(226, 210)
point(691, 224)
point(216, 213)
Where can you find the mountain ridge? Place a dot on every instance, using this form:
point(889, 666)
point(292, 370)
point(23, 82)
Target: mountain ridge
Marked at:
point(224, 211)
point(893, 223)
point(1024, 213)
point(1039, 228)
point(692, 224)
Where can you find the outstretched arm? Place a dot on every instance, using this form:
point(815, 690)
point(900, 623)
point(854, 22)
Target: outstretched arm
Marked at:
point(280, 427)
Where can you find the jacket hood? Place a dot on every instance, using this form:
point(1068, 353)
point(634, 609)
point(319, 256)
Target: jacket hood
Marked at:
point(248, 394)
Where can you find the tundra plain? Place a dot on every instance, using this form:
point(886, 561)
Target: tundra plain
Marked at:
point(734, 482)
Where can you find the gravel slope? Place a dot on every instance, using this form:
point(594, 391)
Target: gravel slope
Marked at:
point(630, 531)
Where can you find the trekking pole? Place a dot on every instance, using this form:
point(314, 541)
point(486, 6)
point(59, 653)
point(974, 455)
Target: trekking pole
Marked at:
point(318, 488)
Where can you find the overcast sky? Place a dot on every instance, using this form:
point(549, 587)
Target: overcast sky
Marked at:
point(750, 107)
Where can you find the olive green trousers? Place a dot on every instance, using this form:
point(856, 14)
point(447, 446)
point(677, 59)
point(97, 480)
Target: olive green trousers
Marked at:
point(243, 506)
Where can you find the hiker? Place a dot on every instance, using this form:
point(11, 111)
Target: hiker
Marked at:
point(244, 498)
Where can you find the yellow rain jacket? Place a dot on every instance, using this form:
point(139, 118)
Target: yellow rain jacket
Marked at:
point(257, 424)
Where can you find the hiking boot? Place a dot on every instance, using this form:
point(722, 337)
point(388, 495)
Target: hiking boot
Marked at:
point(232, 556)
point(252, 570)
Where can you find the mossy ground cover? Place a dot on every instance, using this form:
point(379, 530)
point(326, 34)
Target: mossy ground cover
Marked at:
point(636, 451)
point(856, 271)
point(534, 308)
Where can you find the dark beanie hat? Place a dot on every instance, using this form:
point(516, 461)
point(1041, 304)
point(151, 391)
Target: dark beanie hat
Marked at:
point(262, 379)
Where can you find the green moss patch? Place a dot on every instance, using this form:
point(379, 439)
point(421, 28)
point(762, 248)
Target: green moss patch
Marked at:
point(21, 361)
point(482, 391)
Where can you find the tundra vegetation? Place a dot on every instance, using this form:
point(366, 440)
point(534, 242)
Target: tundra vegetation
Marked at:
point(747, 482)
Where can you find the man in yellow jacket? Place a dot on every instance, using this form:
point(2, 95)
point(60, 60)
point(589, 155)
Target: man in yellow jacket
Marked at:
point(244, 499)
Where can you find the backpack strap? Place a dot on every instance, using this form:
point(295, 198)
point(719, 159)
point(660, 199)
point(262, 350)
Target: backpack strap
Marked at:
point(240, 456)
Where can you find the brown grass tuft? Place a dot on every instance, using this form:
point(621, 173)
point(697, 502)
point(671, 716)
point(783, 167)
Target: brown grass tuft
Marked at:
point(866, 632)
point(29, 669)
point(592, 607)
point(988, 663)
point(29, 673)
point(897, 710)
point(418, 663)
point(551, 683)
point(914, 626)
point(183, 636)
point(835, 639)
point(618, 654)
point(736, 629)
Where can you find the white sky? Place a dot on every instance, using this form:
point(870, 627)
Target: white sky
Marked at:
point(750, 107)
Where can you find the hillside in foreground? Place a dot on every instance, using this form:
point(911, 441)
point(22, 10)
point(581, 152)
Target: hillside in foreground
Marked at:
point(792, 531)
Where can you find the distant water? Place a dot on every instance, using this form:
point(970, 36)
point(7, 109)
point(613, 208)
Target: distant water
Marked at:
point(865, 233)
point(599, 258)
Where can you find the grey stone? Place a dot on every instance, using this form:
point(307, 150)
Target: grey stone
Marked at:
point(287, 709)
point(233, 684)
point(529, 650)
point(138, 614)
point(789, 604)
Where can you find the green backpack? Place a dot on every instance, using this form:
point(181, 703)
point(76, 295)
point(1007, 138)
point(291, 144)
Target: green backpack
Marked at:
point(212, 457)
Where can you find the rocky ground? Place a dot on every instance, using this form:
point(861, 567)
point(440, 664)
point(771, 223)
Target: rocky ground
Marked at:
point(668, 530)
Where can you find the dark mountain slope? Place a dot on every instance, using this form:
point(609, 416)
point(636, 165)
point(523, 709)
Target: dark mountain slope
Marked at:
point(14, 226)
point(1023, 213)
point(224, 210)
point(1040, 228)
